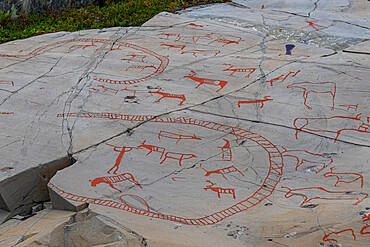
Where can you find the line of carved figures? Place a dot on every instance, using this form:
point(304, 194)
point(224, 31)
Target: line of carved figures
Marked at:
point(316, 163)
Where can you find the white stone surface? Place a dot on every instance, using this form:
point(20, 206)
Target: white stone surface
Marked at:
point(238, 128)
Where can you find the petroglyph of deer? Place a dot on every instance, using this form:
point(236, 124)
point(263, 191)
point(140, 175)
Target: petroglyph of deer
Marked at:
point(219, 190)
point(152, 148)
point(177, 156)
point(233, 70)
point(315, 87)
point(202, 81)
point(171, 96)
point(222, 171)
point(110, 180)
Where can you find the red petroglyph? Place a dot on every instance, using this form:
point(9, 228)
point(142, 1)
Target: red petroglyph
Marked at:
point(345, 177)
point(195, 25)
point(6, 82)
point(269, 184)
point(227, 41)
point(181, 47)
point(171, 96)
point(177, 156)
point(203, 52)
point(303, 156)
point(350, 107)
point(6, 113)
point(83, 46)
point(366, 220)
point(223, 171)
point(110, 180)
point(151, 148)
point(142, 67)
point(266, 98)
point(313, 25)
point(315, 87)
point(325, 238)
point(245, 70)
point(196, 38)
point(106, 90)
point(226, 151)
point(282, 78)
point(168, 35)
point(135, 58)
point(202, 81)
point(177, 178)
point(323, 194)
point(122, 151)
point(337, 123)
point(177, 137)
point(219, 190)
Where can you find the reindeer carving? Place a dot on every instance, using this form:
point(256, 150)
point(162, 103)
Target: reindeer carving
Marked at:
point(110, 180)
point(233, 70)
point(315, 87)
point(170, 95)
point(152, 148)
point(222, 171)
point(219, 190)
point(202, 81)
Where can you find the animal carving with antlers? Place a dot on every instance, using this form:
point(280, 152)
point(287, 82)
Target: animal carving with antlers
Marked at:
point(202, 81)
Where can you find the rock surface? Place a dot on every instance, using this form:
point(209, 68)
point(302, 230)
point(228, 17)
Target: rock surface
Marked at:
point(238, 124)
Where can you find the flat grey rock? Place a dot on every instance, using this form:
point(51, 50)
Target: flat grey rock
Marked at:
point(214, 131)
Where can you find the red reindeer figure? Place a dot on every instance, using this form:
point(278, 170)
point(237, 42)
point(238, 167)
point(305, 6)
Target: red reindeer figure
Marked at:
point(227, 155)
point(225, 41)
point(219, 190)
point(262, 101)
point(282, 78)
point(152, 148)
point(344, 177)
point(177, 156)
point(246, 70)
point(110, 180)
point(122, 151)
point(222, 171)
point(315, 87)
point(170, 95)
point(202, 81)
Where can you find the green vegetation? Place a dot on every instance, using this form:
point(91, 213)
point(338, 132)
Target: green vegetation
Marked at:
point(124, 13)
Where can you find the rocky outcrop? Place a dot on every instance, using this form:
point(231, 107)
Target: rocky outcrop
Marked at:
point(194, 129)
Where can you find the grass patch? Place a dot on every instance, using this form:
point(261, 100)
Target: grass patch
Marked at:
point(111, 14)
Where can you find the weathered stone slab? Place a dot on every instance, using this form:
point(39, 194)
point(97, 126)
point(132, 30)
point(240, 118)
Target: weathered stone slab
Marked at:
point(195, 132)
